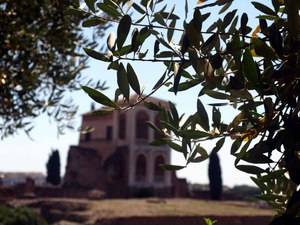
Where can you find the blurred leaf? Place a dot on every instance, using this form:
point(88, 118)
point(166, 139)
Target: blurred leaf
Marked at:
point(250, 169)
point(216, 117)
point(138, 8)
point(91, 4)
point(134, 43)
point(165, 54)
point(244, 21)
point(293, 16)
point(159, 82)
point(122, 80)
point(225, 7)
point(174, 112)
point(158, 142)
point(276, 39)
point(235, 146)
point(218, 146)
point(262, 49)
point(228, 18)
point(156, 47)
point(92, 22)
point(99, 97)
point(263, 8)
point(193, 134)
point(218, 95)
point(152, 106)
point(185, 85)
point(133, 80)
point(249, 67)
point(158, 18)
point(96, 55)
point(175, 146)
point(102, 112)
point(216, 61)
point(193, 35)
point(203, 155)
point(123, 30)
point(154, 127)
point(203, 116)
point(177, 76)
point(170, 32)
point(171, 167)
point(109, 10)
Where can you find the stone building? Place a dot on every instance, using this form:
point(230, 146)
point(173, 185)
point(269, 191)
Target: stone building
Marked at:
point(114, 155)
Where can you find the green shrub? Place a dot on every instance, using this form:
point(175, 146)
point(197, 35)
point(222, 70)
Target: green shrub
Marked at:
point(19, 216)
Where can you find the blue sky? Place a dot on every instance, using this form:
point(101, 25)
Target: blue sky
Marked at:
point(19, 153)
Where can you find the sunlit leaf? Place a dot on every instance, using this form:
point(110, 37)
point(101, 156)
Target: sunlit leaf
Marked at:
point(111, 41)
point(201, 1)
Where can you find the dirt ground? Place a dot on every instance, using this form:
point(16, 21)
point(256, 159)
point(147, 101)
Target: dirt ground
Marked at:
point(152, 211)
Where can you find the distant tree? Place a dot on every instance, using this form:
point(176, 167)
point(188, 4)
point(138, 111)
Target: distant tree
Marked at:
point(53, 168)
point(41, 60)
point(215, 177)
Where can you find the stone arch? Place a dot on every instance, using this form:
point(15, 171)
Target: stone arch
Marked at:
point(140, 168)
point(141, 128)
point(159, 173)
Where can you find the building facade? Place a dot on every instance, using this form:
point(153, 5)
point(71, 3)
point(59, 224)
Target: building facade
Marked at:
point(114, 155)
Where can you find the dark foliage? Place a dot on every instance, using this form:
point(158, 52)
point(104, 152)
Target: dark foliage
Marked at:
point(41, 60)
point(19, 216)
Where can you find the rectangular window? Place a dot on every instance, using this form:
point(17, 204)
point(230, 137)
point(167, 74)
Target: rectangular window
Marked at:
point(109, 133)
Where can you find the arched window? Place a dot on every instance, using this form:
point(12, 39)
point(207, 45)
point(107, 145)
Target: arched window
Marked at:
point(141, 128)
point(157, 135)
point(159, 173)
point(122, 126)
point(140, 168)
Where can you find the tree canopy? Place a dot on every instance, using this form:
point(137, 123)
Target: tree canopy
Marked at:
point(255, 70)
point(41, 59)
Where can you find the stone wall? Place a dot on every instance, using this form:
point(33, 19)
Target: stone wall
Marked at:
point(84, 168)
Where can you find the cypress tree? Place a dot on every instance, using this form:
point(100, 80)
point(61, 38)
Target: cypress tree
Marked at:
point(215, 177)
point(53, 168)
